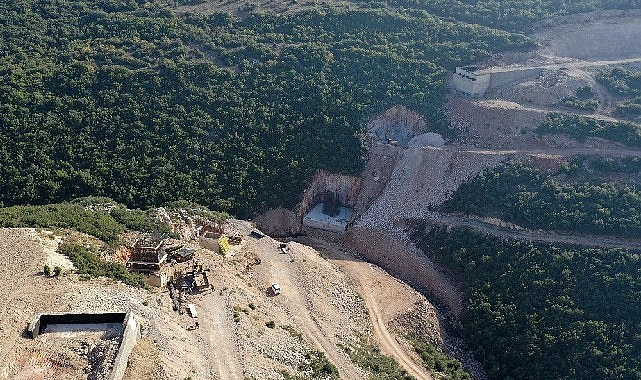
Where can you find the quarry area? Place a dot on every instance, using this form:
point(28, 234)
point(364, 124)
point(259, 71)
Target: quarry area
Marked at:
point(262, 299)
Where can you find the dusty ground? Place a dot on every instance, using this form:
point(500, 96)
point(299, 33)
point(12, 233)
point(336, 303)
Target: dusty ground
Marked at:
point(27, 293)
point(320, 309)
point(377, 289)
point(602, 35)
point(24, 293)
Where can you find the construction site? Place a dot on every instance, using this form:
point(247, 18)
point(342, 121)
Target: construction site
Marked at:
point(254, 300)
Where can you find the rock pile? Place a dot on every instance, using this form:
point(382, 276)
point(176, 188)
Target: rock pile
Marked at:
point(423, 178)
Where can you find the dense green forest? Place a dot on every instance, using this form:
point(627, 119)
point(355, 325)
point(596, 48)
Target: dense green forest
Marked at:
point(128, 100)
point(543, 311)
point(514, 15)
point(563, 201)
point(582, 127)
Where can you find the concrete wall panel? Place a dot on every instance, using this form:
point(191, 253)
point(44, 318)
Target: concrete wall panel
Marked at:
point(506, 77)
point(131, 332)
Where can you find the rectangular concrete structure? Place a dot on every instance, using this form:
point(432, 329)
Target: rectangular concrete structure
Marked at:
point(317, 219)
point(468, 81)
point(126, 341)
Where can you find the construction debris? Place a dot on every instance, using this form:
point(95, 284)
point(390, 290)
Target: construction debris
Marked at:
point(183, 255)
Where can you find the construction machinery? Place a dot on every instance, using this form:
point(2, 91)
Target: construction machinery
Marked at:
point(235, 239)
point(183, 255)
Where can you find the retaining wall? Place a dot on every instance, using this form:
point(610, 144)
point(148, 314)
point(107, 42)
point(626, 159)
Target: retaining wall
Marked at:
point(503, 78)
point(128, 340)
point(470, 83)
point(476, 84)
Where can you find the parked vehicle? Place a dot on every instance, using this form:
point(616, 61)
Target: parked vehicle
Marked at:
point(275, 288)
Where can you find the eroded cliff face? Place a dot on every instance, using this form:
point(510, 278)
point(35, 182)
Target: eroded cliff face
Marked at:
point(344, 188)
point(388, 134)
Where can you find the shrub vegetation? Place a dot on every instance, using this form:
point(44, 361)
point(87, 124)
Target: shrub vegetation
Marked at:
point(379, 366)
point(104, 223)
point(627, 85)
point(582, 127)
point(88, 263)
point(448, 368)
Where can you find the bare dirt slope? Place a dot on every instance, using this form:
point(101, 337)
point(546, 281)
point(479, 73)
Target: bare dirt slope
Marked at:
point(27, 293)
point(247, 332)
point(378, 289)
point(22, 258)
point(244, 331)
point(422, 178)
point(599, 36)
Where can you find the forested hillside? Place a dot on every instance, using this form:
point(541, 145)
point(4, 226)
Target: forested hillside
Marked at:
point(128, 100)
point(567, 200)
point(515, 15)
point(540, 311)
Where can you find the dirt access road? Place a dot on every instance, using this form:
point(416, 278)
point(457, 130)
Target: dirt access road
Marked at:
point(299, 304)
point(385, 297)
point(496, 229)
point(217, 335)
point(561, 66)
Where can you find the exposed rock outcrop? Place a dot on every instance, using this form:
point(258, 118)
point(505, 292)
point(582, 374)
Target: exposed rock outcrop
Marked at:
point(398, 125)
point(343, 189)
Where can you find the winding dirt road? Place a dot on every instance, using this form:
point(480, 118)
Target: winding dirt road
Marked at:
point(479, 224)
point(388, 342)
point(378, 288)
